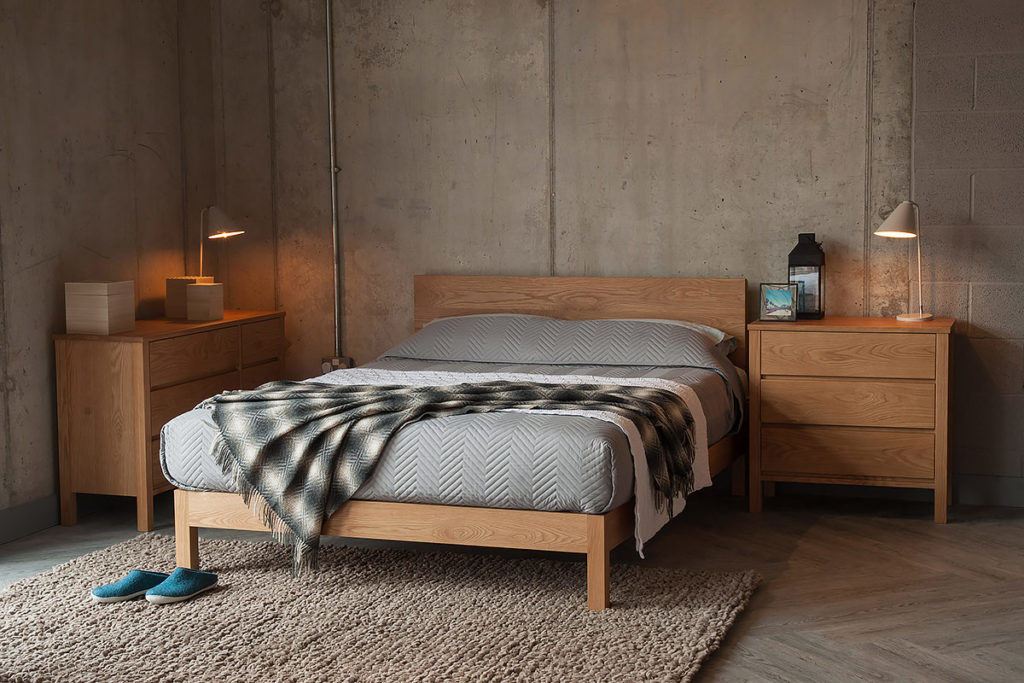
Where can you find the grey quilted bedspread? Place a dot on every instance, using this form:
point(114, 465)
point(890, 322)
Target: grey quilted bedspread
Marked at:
point(507, 460)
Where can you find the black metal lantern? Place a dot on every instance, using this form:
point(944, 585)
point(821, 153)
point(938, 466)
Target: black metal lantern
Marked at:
point(807, 270)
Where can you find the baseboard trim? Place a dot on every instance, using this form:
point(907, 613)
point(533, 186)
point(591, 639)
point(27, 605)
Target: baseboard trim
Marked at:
point(28, 518)
point(976, 489)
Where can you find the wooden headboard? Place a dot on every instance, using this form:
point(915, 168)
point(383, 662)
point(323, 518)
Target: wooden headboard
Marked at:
point(721, 303)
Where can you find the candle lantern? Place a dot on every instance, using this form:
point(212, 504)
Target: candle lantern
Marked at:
point(807, 270)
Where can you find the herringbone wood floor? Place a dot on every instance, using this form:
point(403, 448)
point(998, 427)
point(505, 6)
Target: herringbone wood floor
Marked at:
point(860, 589)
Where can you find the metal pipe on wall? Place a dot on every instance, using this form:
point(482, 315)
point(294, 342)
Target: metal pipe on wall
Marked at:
point(338, 360)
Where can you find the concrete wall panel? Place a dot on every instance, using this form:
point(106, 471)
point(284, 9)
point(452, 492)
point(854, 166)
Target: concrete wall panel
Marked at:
point(443, 137)
point(305, 277)
point(688, 144)
point(243, 133)
point(199, 178)
point(92, 190)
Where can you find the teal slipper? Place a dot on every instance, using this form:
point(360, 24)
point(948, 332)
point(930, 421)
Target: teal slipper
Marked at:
point(131, 586)
point(182, 584)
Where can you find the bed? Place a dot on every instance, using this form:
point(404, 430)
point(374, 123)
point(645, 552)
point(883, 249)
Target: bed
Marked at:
point(602, 514)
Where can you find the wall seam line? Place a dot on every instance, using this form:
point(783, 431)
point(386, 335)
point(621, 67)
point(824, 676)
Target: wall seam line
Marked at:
point(184, 147)
point(272, 122)
point(552, 232)
point(868, 152)
point(5, 448)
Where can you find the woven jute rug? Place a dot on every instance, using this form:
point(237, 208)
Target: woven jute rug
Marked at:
point(367, 615)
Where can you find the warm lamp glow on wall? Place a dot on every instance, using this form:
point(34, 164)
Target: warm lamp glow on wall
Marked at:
point(905, 223)
point(198, 297)
point(214, 224)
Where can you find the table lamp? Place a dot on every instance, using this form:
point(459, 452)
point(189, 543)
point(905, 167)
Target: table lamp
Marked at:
point(198, 297)
point(904, 223)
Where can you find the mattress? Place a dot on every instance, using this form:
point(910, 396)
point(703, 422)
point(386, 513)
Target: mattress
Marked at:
point(564, 463)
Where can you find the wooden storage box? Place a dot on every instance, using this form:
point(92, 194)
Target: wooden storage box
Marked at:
point(176, 302)
point(205, 301)
point(99, 307)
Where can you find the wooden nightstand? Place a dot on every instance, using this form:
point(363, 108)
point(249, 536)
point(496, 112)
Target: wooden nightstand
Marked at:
point(851, 401)
point(115, 392)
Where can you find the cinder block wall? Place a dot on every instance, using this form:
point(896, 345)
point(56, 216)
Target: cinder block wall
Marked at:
point(969, 179)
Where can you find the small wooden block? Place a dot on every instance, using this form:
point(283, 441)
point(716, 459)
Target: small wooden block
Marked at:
point(205, 301)
point(176, 302)
point(99, 307)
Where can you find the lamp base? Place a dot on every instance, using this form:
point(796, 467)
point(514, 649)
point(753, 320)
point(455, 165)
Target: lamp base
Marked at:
point(914, 317)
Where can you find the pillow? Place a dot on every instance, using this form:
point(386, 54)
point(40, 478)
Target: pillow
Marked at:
point(536, 339)
point(726, 343)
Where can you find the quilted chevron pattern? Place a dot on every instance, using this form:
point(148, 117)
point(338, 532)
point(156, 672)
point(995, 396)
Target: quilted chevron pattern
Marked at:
point(509, 460)
point(513, 460)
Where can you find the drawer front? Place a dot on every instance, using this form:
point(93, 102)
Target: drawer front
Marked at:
point(181, 359)
point(262, 341)
point(843, 452)
point(848, 354)
point(261, 374)
point(848, 402)
point(166, 404)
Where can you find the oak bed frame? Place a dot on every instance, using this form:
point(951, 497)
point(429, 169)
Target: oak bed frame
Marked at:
point(720, 303)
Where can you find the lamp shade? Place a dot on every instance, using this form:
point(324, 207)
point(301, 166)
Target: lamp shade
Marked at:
point(215, 224)
point(219, 225)
point(902, 222)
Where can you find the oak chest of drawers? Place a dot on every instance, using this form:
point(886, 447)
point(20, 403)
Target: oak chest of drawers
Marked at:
point(115, 392)
point(851, 401)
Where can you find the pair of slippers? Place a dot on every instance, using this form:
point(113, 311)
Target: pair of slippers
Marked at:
point(159, 588)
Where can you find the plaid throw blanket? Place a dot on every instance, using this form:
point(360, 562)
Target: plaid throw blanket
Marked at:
point(298, 450)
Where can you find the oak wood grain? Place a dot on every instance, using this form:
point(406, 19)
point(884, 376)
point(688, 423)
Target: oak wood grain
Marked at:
point(96, 389)
point(848, 451)
point(754, 490)
point(109, 419)
point(848, 354)
point(855, 324)
point(169, 402)
point(163, 328)
point(186, 536)
point(262, 341)
point(720, 303)
point(943, 370)
point(848, 402)
point(256, 375)
point(595, 535)
point(193, 356)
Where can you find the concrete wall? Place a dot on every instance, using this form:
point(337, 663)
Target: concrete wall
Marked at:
point(562, 138)
point(969, 179)
point(96, 100)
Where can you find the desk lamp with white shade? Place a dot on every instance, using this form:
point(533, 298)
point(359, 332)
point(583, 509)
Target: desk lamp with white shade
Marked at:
point(905, 223)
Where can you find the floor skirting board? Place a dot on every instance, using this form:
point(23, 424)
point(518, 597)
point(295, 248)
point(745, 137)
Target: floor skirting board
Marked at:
point(976, 489)
point(28, 518)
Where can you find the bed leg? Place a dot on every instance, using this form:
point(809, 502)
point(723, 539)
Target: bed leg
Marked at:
point(598, 563)
point(186, 538)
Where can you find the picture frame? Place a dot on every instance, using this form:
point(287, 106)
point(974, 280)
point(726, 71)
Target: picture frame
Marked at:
point(778, 301)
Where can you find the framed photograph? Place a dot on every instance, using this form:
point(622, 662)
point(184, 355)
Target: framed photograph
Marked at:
point(778, 301)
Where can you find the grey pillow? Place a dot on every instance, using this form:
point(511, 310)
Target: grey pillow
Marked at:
point(536, 339)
